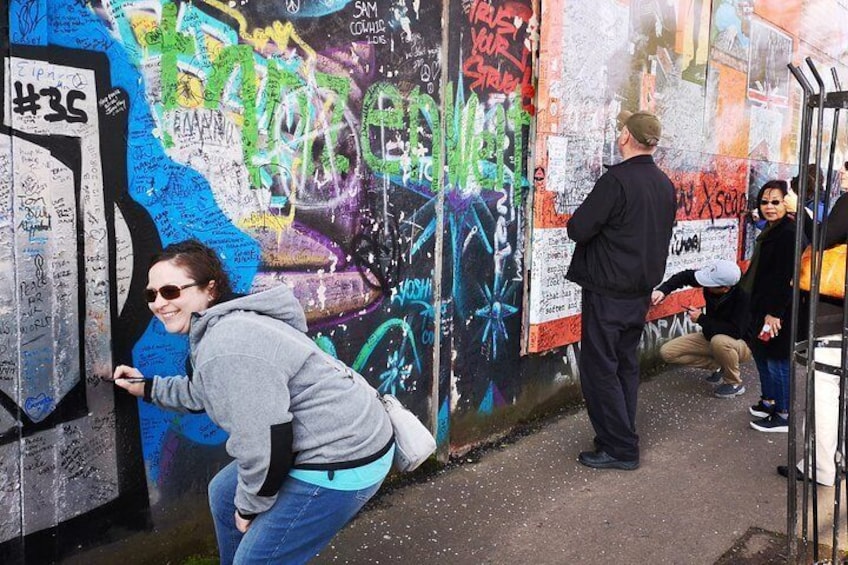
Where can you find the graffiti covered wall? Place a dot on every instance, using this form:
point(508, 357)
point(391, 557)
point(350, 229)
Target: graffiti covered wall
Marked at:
point(716, 74)
point(62, 453)
point(489, 105)
point(376, 156)
point(369, 154)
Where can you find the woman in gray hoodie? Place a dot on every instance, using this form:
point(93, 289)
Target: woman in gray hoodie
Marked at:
point(310, 438)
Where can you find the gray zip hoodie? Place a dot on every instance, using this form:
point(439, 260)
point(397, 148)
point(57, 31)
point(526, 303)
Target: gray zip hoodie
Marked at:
point(280, 397)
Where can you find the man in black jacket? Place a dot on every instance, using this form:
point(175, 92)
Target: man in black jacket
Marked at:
point(723, 321)
point(622, 230)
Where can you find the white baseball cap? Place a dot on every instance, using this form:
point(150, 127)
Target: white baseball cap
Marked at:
point(718, 273)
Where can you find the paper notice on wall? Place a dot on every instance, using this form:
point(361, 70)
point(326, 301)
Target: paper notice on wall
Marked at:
point(551, 295)
point(557, 151)
point(554, 302)
point(694, 243)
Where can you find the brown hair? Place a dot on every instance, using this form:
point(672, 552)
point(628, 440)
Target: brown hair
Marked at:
point(813, 172)
point(202, 264)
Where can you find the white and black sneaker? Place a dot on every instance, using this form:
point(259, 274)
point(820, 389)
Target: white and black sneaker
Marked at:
point(728, 390)
point(774, 423)
point(761, 409)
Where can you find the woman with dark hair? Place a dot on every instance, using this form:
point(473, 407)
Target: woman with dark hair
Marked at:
point(768, 282)
point(311, 440)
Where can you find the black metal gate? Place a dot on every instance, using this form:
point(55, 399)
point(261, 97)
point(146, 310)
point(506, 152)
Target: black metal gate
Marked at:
point(809, 345)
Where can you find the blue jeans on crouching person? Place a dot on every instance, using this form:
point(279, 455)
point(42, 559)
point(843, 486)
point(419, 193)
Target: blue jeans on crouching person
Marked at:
point(301, 522)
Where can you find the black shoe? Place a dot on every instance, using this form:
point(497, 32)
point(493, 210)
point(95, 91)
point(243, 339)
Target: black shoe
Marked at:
point(601, 460)
point(799, 476)
point(783, 470)
point(715, 378)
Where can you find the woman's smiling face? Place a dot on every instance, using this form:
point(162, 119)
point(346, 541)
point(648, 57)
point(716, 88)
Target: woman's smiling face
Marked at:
point(772, 206)
point(175, 314)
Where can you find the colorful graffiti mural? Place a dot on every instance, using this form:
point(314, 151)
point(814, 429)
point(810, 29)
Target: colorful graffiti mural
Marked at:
point(374, 155)
point(322, 146)
point(489, 112)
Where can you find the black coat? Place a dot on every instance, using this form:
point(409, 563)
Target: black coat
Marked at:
point(623, 229)
point(770, 280)
point(837, 224)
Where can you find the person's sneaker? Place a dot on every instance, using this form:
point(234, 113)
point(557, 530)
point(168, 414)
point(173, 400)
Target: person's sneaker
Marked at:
point(715, 377)
point(774, 423)
point(761, 410)
point(728, 390)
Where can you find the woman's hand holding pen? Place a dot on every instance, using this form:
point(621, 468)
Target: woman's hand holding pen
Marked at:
point(130, 379)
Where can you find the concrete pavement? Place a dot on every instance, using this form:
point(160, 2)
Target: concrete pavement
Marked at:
point(706, 492)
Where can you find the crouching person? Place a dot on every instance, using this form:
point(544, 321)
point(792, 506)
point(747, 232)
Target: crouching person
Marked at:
point(310, 442)
point(719, 346)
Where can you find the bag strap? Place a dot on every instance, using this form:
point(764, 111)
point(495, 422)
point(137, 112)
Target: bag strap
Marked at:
point(352, 464)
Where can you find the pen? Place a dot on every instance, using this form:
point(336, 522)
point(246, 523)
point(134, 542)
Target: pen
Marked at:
point(128, 379)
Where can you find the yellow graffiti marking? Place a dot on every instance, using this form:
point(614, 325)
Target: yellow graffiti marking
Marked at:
point(213, 47)
point(237, 119)
point(281, 34)
point(268, 221)
point(189, 90)
point(142, 24)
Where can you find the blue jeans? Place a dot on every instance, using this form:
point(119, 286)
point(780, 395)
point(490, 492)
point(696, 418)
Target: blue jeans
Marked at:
point(774, 380)
point(301, 522)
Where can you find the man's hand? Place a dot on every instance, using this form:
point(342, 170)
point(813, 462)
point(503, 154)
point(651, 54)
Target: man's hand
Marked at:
point(791, 201)
point(657, 297)
point(242, 524)
point(694, 313)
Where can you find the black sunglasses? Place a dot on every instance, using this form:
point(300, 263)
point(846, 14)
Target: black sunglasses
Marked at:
point(168, 292)
point(772, 202)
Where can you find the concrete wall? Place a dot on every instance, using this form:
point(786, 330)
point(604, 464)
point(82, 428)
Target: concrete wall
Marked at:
point(374, 155)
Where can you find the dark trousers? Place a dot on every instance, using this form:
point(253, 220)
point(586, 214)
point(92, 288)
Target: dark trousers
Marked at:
point(609, 369)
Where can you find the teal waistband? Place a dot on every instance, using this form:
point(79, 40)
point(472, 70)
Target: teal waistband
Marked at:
point(348, 479)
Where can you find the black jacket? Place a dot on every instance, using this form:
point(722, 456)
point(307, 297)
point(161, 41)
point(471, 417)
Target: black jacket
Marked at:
point(837, 224)
point(623, 229)
point(726, 314)
point(771, 286)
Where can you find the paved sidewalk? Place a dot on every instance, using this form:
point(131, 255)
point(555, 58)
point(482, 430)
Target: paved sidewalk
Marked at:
point(706, 492)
